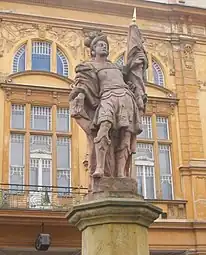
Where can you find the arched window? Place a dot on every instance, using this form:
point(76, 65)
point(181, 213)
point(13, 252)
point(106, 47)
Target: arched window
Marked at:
point(62, 63)
point(157, 73)
point(120, 60)
point(19, 60)
point(41, 56)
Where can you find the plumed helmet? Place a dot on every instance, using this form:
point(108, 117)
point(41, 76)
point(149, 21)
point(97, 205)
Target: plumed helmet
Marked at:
point(93, 38)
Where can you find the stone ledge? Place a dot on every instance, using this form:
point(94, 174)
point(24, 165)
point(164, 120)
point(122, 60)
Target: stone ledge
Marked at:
point(113, 210)
point(113, 200)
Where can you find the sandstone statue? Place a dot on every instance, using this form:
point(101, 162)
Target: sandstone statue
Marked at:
point(107, 101)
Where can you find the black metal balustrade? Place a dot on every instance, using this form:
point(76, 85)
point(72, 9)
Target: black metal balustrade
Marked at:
point(15, 196)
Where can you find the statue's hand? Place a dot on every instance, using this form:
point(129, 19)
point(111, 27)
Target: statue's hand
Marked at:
point(77, 104)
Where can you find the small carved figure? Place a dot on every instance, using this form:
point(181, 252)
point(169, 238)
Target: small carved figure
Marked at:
point(107, 102)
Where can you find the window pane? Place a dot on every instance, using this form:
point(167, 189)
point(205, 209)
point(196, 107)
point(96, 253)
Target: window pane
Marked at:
point(46, 172)
point(147, 128)
point(164, 159)
point(60, 68)
point(62, 63)
point(166, 186)
point(41, 118)
point(157, 73)
point(63, 181)
point(63, 153)
point(140, 180)
point(21, 66)
point(162, 128)
point(19, 60)
point(144, 151)
point(17, 150)
point(149, 179)
point(63, 165)
point(33, 174)
point(165, 171)
point(16, 177)
point(17, 116)
point(40, 142)
point(146, 181)
point(63, 124)
point(41, 55)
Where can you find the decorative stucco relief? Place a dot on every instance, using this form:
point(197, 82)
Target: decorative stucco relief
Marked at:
point(163, 50)
point(11, 33)
point(117, 43)
point(188, 57)
point(70, 38)
point(202, 85)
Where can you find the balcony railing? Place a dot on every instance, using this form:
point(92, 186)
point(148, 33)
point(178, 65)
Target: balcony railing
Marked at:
point(172, 209)
point(14, 196)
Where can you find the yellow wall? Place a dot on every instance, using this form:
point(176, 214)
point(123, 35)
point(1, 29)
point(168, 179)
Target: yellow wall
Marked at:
point(177, 43)
point(1, 131)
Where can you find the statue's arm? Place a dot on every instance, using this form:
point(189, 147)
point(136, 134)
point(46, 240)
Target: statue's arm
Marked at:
point(82, 97)
point(80, 80)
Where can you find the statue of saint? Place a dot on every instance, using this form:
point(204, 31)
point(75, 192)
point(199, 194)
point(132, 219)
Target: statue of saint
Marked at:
point(108, 101)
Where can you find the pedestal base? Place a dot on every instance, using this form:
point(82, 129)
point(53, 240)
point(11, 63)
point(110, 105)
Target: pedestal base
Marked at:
point(112, 223)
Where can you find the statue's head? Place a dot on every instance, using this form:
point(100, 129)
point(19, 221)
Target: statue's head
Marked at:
point(98, 44)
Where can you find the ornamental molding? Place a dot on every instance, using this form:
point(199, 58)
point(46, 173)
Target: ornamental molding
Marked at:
point(188, 56)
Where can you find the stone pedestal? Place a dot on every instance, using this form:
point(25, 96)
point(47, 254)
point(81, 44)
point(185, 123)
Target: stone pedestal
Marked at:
point(113, 219)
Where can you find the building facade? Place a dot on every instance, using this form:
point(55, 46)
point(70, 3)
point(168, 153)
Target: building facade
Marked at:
point(43, 167)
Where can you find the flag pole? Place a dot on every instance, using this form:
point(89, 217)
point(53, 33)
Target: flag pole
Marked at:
point(134, 18)
point(134, 21)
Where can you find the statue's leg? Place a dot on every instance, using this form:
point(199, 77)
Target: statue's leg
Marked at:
point(102, 143)
point(123, 153)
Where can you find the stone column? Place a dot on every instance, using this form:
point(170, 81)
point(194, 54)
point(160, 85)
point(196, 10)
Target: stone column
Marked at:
point(114, 219)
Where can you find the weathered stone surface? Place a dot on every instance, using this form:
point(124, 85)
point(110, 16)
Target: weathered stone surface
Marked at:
point(114, 187)
point(107, 102)
point(114, 219)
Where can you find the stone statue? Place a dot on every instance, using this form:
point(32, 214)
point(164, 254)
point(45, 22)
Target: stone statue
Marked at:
point(108, 101)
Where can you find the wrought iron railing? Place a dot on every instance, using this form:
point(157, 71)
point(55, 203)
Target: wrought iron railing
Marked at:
point(15, 196)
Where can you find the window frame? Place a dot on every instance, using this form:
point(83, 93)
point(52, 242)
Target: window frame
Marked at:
point(28, 131)
point(41, 49)
point(155, 141)
point(160, 74)
point(16, 58)
point(28, 50)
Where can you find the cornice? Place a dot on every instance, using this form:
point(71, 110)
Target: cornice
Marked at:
point(167, 92)
point(45, 73)
point(122, 8)
point(12, 86)
point(29, 217)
